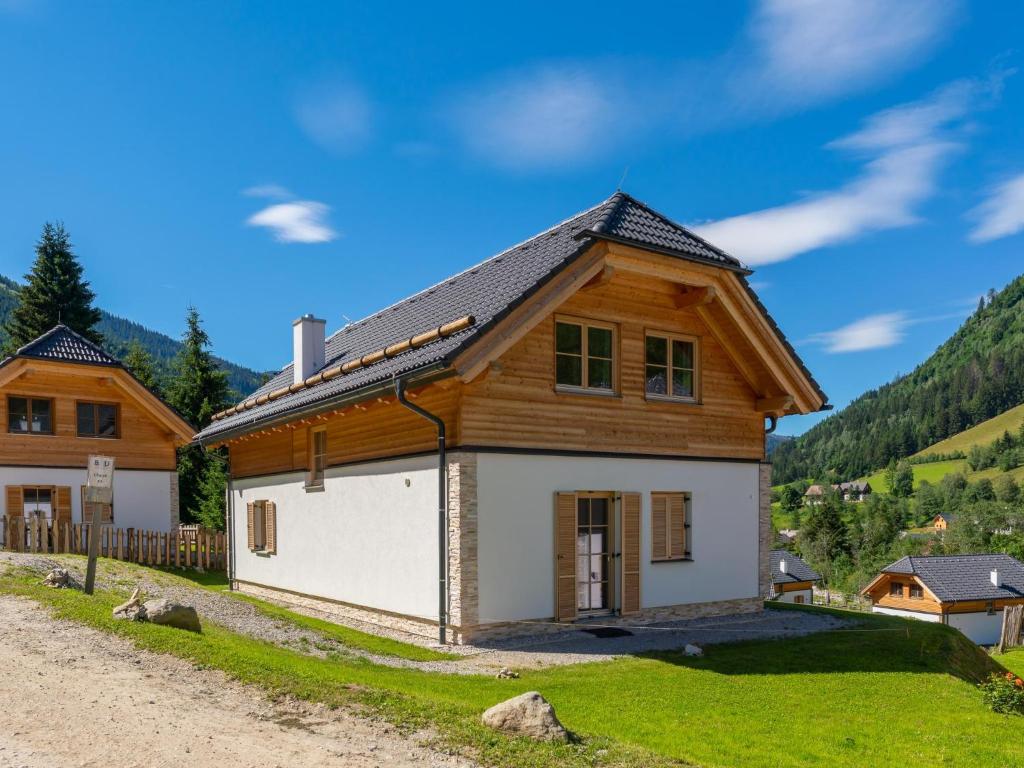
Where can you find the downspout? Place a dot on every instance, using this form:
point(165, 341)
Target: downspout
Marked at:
point(230, 513)
point(442, 508)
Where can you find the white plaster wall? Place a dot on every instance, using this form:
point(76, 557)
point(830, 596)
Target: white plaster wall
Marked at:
point(516, 528)
point(369, 538)
point(142, 498)
point(790, 597)
point(935, 618)
point(979, 627)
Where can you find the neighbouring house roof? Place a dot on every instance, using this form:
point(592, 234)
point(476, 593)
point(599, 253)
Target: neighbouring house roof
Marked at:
point(487, 293)
point(946, 516)
point(64, 345)
point(855, 486)
point(815, 490)
point(955, 578)
point(796, 568)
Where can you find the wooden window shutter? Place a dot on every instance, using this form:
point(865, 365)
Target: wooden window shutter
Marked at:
point(15, 501)
point(62, 505)
point(250, 509)
point(630, 553)
point(659, 526)
point(565, 556)
point(270, 516)
point(676, 525)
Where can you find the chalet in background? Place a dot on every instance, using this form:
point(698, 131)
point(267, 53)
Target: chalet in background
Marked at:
point(968, 592)
point(599, 393)
point(793, 579)
point(63, 398)
point(855, 491)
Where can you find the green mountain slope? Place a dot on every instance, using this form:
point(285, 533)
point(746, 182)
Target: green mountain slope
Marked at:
point(119, 333)
point(982, 434)
point(975, 375)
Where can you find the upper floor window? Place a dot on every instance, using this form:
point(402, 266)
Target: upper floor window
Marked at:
point(916, 593)
point(317, 457)
point(895, 589)
point(671, 366)
point(585, 355)
point(97, 420)
point(30, 415)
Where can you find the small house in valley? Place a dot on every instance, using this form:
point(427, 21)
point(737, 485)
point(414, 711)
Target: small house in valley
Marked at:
point(968, 592)
point(942, 521)
point(855, 491)
point(572, 428)
point(814, 494)
point(793, 579)
point(63, 398)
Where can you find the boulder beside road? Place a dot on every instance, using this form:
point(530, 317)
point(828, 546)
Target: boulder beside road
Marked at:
point(528, 714)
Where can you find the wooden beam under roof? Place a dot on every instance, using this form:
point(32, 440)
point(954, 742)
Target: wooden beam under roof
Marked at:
point(689, 296)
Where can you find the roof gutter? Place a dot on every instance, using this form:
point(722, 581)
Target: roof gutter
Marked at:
point(424, 375)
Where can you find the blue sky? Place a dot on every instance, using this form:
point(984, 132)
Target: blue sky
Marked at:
point(261, 160)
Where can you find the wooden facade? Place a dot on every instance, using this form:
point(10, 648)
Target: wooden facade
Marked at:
point(502, 392)
point(879, 591)
point(147, 431)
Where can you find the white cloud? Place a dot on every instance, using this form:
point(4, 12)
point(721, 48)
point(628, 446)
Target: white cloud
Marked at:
point(871, 332)
point(337, 115)
point(1002, 214)
point(906, 148)
point(301, 221)
point(549, 116)
point(271, 191)
point(810, 49)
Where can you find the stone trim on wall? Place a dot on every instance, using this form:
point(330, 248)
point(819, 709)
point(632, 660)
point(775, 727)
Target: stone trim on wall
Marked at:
point(463, 581)
point(175, 497)
point(764, 520)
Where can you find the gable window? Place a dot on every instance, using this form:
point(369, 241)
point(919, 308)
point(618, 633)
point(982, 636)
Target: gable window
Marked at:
point(584, 355)
point(32, 415)
point(671, 367)
point(895, 590)
point(916, 593)
point(317, 457)
point(97, 420)
point(670, 526)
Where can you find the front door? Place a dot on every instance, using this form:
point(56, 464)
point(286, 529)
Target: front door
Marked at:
point(594, 552)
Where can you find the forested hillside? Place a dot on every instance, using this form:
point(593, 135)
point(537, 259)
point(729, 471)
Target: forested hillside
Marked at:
point(118, 333)
point(975, 375)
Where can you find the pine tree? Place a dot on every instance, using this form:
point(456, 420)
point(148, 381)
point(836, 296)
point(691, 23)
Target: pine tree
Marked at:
point(198, 390)
point(142, 367)
point(210, 512)
point(54, 293)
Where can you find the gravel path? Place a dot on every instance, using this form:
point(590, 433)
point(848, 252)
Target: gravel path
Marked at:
point(573, 646)
point(77, 697)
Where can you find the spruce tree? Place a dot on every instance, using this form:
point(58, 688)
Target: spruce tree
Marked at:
point(142, 367)
point(198, 390)
point(54, 292)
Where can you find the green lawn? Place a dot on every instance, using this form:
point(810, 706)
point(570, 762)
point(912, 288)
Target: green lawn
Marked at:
point(933, 472)
point(879, 698)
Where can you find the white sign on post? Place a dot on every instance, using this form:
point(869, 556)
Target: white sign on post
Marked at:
point(99, 490)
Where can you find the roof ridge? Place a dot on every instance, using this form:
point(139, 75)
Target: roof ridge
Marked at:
point(471, 267)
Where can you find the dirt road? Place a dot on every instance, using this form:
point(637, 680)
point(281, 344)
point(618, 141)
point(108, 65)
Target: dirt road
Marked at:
point(71, 696)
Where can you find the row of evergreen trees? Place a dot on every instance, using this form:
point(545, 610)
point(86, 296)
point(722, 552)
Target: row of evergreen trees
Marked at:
point(56, 291)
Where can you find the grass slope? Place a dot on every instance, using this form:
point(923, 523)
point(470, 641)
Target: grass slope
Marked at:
point(983, 434)
point(830, 699)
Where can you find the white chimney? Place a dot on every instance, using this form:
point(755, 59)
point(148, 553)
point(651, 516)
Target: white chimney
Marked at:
point(996, 581)
point(782, 566)
point(308, 346)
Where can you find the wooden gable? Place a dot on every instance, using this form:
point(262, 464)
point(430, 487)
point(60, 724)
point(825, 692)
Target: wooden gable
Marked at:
point(148, 431)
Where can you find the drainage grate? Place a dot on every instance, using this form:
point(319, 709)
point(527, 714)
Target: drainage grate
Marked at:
point(604, 632)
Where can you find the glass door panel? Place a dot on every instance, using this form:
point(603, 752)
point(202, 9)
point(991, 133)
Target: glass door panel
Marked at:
point(592, 554)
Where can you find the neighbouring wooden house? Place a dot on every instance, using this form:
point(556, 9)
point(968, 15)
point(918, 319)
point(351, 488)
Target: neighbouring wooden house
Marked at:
point(600, 390)
point(942, 521)
point(64, 398)
point(793, 579)
point(968, 592)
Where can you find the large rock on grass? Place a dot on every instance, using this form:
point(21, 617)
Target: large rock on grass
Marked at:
point(526, 715)
point(172, 614)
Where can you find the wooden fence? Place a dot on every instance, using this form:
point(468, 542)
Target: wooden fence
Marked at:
point(182, 549)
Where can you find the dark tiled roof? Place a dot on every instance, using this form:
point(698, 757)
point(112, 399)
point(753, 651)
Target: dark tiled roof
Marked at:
point(487, 291)
point(62, 344)
point(964, 577)
point(796, 568)
point(860, 487)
